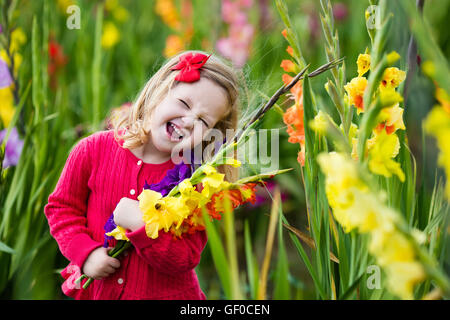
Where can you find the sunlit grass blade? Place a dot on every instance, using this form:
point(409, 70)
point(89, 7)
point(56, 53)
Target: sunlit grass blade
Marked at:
point(351, 289)
point(36, 68)
point(218, 255)
point(230, 237)
point(252, 264)
point(5, 248)
point(308, 240)
point(282, 290)
point(303, 255)
point(96, 68)
point(301, 251)
point(262, 288)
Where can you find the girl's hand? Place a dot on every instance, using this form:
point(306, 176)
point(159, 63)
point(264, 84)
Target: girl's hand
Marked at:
point(128, 215)
point(99, 265)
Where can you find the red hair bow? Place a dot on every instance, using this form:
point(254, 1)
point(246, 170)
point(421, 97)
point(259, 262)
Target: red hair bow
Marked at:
point(189, 64)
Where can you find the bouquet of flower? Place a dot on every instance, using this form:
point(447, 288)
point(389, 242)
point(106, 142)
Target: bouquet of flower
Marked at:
point(175, 203)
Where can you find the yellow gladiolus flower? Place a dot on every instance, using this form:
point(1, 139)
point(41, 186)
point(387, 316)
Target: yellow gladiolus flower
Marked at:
point(7, 109)
point(191, 197)
point(17, 57)
point(118, 233)
point(394, 117)
point(159, 217)
point(363, 63)
point(355, 91)
point(213, 182)
point(390, 97)
point(391, 119)
point(110, 36)
point(392, 77)
point(319, 123)
point(429, 68)
point(185, 187)
point(402, 276)
point(152, 229)
point(437, 124)
point(147, 200)
point(341, 175)
point(355, 207)
point(390, 246)
point(178, 210)
point(367, 213)
point(385, 148)
point(392, 57)
point(155, 213)
point(18, 38)
point(443, 98)
point(396, 255)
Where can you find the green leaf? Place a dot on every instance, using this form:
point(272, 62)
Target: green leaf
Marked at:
point(308, 115)
point(282, 289)
point(5, 248)
point(352, 288)
point(306, 260)
point(252, 265)
point(230, 237)
point(36, 68)
point(291, 36)
point(96, 67)
point(427, 44)
point(218, 254)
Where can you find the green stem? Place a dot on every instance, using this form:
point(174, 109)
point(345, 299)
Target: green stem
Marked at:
point(114, 253)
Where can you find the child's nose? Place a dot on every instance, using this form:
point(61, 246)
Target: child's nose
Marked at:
point(188, 122)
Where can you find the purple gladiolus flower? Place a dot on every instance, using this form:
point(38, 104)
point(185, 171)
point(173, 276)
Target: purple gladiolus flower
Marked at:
point(173, 177)
point(109, 226)
point(13, 147)
point(5, 76)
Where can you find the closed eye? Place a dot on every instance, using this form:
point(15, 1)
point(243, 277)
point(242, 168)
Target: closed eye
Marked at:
point(187, 106)
point(206, 124)
point(184, 102)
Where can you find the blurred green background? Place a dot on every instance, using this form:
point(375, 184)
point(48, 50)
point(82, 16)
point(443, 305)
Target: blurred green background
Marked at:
point(86, 73)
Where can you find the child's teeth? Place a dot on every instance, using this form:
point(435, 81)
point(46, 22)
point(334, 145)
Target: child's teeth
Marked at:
point(176, 130)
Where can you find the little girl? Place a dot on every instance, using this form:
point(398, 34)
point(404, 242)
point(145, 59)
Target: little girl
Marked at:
point(106, 171)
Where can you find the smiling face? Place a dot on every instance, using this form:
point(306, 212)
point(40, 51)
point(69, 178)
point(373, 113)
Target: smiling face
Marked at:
point(188, 111)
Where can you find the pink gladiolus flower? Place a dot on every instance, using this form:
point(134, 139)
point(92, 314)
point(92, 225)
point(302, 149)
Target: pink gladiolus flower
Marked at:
point(340, 11)
point(236, 46)
point(13, 148)
point(5, 76)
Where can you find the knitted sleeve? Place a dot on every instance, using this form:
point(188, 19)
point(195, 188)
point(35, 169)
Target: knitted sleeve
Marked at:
point(67, 206)
point(167, 255)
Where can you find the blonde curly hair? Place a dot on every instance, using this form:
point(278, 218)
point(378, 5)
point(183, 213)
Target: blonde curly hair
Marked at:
point(136, 118)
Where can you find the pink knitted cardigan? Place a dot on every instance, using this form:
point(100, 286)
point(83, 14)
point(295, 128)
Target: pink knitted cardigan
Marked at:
point(97, 174)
